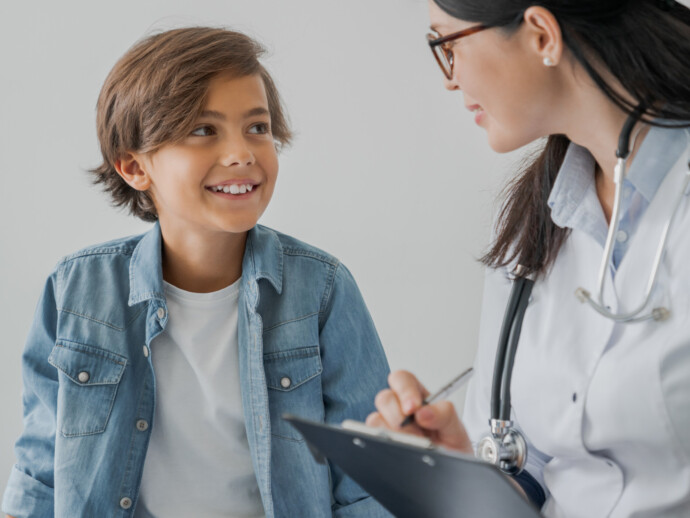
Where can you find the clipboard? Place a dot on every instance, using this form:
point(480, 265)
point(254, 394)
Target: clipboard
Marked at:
point(412, 478)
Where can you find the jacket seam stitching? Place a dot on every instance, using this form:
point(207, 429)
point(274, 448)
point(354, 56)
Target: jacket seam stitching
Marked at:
point(326, 297)
point(290, 321)
point(107, 324)
point(313, 255)
point(98, 251)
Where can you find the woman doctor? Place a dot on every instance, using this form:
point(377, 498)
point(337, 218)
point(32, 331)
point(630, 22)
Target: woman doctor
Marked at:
point(602, 395)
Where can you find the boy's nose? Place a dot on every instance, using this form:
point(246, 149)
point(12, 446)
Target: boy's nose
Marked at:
point(237, 154)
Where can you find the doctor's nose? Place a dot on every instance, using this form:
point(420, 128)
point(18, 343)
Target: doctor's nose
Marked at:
point(237, 153)
point(451, 84)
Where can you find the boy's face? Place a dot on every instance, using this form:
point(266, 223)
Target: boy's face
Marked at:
point(221, 177)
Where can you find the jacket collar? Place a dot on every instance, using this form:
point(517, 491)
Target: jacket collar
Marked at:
point(263, 259)
point(146, 268)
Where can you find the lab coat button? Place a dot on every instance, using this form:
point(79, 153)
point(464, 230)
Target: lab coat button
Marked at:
point(621, 236)
point(142, 425)
point(126, 503)
point(285, 382)
point(161, 313)
point(83, 377)
point(574, 397)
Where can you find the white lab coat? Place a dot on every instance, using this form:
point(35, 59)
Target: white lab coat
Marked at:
point(604, 406)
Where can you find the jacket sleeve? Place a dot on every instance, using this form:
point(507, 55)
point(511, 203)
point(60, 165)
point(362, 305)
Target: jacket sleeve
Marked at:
point(29, 491)
point(354, 371)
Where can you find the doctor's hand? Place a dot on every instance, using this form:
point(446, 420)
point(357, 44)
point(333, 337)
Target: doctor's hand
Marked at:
point(438, 421)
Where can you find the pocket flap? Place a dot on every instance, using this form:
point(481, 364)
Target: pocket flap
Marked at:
point(87, 365)
point(287, 370)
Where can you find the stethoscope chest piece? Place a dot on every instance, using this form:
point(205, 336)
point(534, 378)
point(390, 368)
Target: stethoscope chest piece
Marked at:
point(504, 447)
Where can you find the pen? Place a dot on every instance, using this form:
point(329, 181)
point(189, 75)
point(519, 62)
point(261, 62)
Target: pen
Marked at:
point(446, 391)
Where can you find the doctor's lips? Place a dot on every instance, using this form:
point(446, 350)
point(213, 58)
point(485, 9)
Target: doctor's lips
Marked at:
point(478, 112)
point(233, 187)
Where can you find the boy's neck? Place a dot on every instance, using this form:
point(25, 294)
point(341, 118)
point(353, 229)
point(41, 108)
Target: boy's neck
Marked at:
point(202, 264)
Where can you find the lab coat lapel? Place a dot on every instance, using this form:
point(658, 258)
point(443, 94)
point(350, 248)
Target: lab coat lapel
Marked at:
point(633, 274)
point(563, 355)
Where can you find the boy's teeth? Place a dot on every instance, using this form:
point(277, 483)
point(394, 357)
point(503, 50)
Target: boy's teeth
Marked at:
point(233, 189)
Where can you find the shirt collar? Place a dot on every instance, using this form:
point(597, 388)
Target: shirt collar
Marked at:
point(571, 196)
point(263, 259)
point(574, 181)
point(657, 154)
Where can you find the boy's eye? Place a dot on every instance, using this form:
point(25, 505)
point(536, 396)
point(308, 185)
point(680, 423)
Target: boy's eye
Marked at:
point(204, 131)
point(262, 128)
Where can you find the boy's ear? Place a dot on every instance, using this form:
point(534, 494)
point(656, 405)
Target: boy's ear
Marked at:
point(130, 169)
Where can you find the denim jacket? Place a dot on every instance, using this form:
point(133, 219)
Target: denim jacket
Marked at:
point(89, 385)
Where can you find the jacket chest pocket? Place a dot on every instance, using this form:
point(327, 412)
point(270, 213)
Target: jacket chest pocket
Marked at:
point(293, 379)
point(88, 380)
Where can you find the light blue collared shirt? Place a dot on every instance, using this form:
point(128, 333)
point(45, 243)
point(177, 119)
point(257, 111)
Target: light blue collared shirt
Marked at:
point(574, 203)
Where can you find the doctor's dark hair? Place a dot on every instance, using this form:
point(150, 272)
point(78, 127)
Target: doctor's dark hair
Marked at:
point(155, 93)
point(644, 44)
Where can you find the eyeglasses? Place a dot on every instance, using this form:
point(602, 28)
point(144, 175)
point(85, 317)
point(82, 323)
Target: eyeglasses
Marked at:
point(443, 52)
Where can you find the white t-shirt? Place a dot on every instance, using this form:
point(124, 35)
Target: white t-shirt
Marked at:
point(198, 462)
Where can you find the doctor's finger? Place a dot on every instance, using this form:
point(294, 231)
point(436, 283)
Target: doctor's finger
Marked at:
point(409, 391)
point(388, 406)
point(442, 419)
point(376, 420)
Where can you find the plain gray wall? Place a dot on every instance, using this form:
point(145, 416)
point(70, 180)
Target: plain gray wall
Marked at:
point(388, 171)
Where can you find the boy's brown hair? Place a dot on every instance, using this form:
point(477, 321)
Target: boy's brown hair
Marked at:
point(156, 91)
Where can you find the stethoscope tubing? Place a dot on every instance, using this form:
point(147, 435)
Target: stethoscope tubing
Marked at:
point(507, 346)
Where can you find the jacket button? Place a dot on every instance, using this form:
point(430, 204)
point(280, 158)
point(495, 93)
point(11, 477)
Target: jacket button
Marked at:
point(146, 352)
point(142, 425)
point(285, 382)
point(160, 313)
point(83, 377)
point(126, 503)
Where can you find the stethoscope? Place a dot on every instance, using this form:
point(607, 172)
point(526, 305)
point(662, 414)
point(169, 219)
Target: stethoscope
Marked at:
point(505, 446)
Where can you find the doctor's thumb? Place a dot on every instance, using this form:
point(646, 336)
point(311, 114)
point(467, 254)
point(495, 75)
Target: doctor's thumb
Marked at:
point(445, 426)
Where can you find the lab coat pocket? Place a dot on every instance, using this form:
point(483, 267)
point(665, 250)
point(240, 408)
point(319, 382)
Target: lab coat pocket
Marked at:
point(293, 378)
point(88, 379)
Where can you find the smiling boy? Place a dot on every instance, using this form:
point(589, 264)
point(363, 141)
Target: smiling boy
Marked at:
point(158, 366)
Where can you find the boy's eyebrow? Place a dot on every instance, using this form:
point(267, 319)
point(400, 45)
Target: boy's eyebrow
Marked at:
point(259, 110)
point(213, 114)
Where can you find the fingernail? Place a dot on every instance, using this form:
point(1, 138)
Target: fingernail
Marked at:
point(409, 405)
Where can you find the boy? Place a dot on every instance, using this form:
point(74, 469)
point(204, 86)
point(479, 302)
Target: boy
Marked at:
point(158, 366)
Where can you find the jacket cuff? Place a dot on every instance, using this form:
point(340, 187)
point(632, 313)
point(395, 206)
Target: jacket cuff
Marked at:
point(365, 507)
point(532, 488)
point(27, 497)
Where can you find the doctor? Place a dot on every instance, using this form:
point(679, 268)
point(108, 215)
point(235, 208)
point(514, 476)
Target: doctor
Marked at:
point(602, 397)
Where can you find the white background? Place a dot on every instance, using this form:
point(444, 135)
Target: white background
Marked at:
point(387, 172)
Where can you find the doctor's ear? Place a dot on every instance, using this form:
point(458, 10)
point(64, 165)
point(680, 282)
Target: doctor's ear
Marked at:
point(130, 168)
point(544, 35)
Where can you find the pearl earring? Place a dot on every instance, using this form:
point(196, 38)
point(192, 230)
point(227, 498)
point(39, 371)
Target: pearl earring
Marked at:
point(548, 62)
